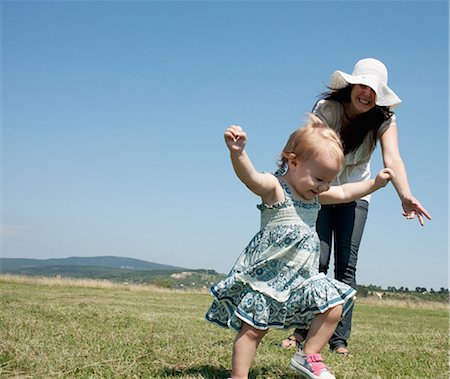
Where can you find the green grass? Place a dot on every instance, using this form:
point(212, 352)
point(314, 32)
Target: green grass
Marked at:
point(62, 329)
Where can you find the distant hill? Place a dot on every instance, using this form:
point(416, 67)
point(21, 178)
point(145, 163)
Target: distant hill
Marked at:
point(15, 265)
point(116, 269)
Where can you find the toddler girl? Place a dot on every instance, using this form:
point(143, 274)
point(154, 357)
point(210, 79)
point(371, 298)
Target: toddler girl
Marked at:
point(275, 282)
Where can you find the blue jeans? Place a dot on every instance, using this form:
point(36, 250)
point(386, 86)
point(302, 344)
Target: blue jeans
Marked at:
point(342, 226)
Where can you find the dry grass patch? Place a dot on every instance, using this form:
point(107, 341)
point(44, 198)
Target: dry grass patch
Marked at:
point(410, 304)
point(88, 283)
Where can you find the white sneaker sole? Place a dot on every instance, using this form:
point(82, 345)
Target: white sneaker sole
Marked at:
point(306, 373)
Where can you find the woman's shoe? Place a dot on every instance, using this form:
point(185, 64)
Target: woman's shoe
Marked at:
point(294, 340)
point(342, 350)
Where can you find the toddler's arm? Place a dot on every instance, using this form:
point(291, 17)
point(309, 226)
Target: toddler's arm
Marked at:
point(262, 184)
point(353, 191)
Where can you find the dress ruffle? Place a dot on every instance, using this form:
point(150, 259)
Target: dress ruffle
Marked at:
point(236, 301)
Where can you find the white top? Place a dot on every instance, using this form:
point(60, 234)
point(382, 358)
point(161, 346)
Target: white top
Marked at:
point(357, 163)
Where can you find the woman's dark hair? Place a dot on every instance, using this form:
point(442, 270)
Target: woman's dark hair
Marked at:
point(353, 135)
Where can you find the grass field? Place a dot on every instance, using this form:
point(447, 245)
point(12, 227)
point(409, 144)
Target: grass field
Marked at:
point(88, 329)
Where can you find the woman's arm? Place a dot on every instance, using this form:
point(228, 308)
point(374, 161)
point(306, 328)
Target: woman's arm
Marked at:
point(348, 192)
point(262, 184)
point(391, 158)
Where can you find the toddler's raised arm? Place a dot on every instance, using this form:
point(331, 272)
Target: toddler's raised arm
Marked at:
point(264, 185)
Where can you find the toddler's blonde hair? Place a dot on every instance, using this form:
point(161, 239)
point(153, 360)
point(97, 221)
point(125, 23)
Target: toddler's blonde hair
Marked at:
point(312, 139)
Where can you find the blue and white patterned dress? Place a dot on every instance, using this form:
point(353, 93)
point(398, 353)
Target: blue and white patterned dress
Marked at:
point(276, 281)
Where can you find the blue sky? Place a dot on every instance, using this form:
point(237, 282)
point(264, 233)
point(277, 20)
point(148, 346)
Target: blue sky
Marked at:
point(113, 116)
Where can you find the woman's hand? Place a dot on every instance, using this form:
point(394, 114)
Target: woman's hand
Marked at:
point(412, 208)
point(235, 138)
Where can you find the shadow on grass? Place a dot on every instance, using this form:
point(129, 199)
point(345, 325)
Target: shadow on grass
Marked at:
point(211, 372)
point(207, 371)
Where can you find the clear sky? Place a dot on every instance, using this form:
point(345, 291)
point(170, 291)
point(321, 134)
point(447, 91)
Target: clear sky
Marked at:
point(113, 115)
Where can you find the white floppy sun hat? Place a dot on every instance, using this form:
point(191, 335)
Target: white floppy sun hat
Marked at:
point(372, 73)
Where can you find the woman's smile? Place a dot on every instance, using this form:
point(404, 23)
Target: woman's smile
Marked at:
point(362, 99)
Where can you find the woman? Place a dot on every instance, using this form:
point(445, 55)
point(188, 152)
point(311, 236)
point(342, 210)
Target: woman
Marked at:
point(359, 108)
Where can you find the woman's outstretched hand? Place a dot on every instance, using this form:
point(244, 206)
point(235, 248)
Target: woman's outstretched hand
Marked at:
point(235, 138)
point(412, 208)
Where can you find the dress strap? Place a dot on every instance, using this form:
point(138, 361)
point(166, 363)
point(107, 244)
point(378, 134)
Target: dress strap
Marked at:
point(278, 174)
point(287, 191)
point(281, 171)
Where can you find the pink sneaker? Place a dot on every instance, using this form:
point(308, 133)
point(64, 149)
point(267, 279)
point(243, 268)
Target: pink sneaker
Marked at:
point(311, 366)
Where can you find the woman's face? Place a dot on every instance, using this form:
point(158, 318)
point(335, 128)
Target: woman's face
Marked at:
point(362, 98)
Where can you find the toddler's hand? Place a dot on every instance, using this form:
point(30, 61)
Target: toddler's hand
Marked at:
point(235, 138)
point(383, 177)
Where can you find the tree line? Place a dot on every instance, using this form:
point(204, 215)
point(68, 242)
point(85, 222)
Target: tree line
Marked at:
point(432, 294)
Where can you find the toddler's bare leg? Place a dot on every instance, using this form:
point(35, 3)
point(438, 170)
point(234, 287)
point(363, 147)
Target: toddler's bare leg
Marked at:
point(322, 328)
point(244, 349)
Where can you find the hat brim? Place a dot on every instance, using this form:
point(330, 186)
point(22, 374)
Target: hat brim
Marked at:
point(385, 96)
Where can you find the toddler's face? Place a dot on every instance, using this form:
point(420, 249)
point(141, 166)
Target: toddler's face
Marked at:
point(314, 175)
